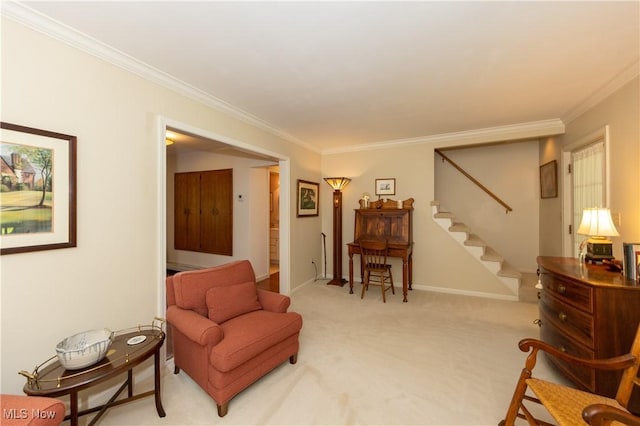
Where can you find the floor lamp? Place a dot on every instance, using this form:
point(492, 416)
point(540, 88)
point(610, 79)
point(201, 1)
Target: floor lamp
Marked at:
point(337, 183)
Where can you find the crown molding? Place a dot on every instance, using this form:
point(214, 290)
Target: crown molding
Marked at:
point(601, 94)
point(530, 130)
point(42, 23)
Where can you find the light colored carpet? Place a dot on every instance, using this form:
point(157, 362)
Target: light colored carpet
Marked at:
point(439, 359)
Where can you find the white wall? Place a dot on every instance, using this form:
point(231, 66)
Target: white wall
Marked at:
point(114, 278)
point(511, 172)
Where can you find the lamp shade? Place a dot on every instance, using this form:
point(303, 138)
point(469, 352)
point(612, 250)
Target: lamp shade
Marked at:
point(337, 183)
point(597, 222)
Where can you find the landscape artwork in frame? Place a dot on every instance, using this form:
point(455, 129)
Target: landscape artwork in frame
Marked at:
point(548, 180)
point(386, 186)
point(308, 198)
point(37, 190)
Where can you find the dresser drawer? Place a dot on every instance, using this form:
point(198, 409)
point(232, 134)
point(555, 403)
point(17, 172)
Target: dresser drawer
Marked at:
point(577, 295)
point(572, 321)
point(585, 377)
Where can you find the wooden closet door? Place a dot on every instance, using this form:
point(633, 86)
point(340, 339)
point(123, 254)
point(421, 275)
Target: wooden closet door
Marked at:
point(187, 211)
point(216, 198)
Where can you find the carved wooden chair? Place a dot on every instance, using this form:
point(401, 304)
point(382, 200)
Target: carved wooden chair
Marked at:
point(569, 406)
point(376, 269)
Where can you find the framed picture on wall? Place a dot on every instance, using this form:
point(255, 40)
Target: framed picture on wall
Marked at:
point(307, 198)
point(38, 197)
point(548, 180)
point(386, 186)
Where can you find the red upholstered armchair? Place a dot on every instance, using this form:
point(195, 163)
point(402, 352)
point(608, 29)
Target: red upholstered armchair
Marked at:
point(227, 333)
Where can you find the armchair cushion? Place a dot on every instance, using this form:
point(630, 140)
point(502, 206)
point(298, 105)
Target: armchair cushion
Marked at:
point(253, 334)
point(230, 301)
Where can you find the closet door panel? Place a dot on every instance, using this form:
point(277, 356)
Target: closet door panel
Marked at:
point(187, 211)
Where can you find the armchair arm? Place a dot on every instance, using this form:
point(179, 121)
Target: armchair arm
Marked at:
point(194, 326)
point(601, 414)
point(616, 363)
point(274, 302)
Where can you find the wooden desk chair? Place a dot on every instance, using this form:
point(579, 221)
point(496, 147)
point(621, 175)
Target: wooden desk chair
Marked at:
point(570, 406)
point(376, 269)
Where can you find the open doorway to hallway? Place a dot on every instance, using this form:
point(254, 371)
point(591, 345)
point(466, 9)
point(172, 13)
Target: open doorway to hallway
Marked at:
point(254, 215)
point(274, 220)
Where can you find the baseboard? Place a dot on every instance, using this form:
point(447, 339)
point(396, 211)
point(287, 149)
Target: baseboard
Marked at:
point(447, 290)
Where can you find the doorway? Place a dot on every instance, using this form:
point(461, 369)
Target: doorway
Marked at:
point(212, 140)
point(274, 219)
point(273, 283)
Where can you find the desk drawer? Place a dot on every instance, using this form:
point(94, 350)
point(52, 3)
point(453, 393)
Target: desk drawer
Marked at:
point(585, 377)
point(577, 295)
point(572, 321)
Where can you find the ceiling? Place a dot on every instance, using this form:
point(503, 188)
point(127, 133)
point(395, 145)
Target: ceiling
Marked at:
point(336, 74)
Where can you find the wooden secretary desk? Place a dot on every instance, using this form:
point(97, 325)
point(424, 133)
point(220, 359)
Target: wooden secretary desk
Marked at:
point(383, 220)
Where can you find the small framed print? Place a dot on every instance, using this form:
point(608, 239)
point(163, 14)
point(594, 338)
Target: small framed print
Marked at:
point(38, 196)
point(386, 186)
point(548, 180)
point(307, 198)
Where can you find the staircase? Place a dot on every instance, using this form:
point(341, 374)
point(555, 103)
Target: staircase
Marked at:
point(521, 287)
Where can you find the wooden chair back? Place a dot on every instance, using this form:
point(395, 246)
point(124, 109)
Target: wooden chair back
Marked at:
point(374, 254)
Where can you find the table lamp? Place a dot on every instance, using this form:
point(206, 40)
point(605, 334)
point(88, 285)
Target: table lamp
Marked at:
point(597, 224)
point(337, 183)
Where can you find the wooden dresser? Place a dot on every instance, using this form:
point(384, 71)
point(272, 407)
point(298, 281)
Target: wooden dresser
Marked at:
point(590, 312)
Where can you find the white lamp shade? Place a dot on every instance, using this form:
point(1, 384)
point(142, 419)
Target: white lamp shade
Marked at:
point(597, 222)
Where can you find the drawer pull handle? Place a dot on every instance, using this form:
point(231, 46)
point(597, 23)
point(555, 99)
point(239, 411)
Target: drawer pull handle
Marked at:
point(561, 289)
point(562, 316)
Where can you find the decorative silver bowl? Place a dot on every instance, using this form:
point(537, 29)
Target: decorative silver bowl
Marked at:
point(84, 349)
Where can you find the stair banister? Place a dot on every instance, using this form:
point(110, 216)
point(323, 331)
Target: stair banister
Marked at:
point(474, 180)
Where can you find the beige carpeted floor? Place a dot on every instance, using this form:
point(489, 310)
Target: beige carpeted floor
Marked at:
point(437, 360)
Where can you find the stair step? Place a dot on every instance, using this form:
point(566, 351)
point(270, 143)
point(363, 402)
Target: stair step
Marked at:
point(459, 227)
point(491, 255)
point(443, 215)
point(527, 291)
point(509, 271)
point(474, 241)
